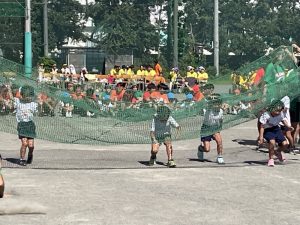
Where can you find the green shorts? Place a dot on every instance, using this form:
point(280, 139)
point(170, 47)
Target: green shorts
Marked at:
point(162, 139)
point(26, 130)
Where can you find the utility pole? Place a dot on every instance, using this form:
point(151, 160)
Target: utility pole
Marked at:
point(28, 40)
point(175, 14)
point(45, 19)
point(216, 37)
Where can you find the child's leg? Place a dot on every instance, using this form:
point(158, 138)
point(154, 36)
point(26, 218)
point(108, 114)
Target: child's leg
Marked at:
point(169, 150)
point(30, 152)
point(154, 150)
point(218, 139)
point(30, 146)
point(271, 147)
point(290, 138)
point(1, 180)
point(24, 145)
point(206, 146)
point(295, 133)
point(282, 146)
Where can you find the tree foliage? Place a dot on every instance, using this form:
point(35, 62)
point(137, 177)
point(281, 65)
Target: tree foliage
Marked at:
point(123, 26)
point(65, 20)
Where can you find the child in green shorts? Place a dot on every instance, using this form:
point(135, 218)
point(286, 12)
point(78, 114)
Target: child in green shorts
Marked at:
point(161, 133)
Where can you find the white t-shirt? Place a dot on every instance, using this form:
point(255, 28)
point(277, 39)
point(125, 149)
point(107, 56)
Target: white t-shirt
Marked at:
point(25, 111)
point(213, 117)
point(163, 127)
point(287, 104)
point(268, 121)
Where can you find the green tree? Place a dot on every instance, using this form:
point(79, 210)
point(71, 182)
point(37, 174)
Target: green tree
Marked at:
point(65, 20)
point(123, 26)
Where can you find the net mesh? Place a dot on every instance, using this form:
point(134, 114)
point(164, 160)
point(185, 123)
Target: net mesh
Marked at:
point(94, 113)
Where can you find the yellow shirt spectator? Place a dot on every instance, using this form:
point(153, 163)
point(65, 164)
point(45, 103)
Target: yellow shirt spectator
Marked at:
point(202, 75)
point(140, 72)
point(152, 73)
point(173, 76)
point(122, 71)
point(192, 74)
point(113, 72)
point(130, 72)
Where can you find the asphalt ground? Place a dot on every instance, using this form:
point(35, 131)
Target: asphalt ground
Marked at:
point(81, 184)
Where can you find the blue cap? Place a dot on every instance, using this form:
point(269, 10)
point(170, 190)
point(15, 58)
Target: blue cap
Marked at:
point(65, 94)
point(189, 96)
point(106, 97)
point(170, 95)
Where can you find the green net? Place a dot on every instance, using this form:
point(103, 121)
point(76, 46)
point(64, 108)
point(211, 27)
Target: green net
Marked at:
point(105, 113)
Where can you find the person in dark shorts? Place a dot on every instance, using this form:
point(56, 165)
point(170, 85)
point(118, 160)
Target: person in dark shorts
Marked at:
point(211, 127)
point(26, 107)
point(270, 131)
point(160, 133)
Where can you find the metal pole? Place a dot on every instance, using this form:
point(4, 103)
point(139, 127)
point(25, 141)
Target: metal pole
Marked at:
point(175, 14)
point(28, 40)
point(216, 37)
point(45, 18)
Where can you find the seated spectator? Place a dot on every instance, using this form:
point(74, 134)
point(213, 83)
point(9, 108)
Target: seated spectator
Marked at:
point(83, 72)
point(115, 71)
point(111, 79)
point(189, 97)
point(117, 94)
point(159, 79)
point(163, 88)
point(72, 69)
point(6, 100)
point(197, 94)
point(41, 71)
point(171, 97)
point(147, 95)
point(130, 71)
point(78, 94)
point(202, 75)
point(66, 105)
point(191, 72)
point(151, 71)
point(141, 71)
point(46, 105)
point(123, 70)
point(90, 99)
point(154, 93)
point(136, 98)
point(174, 74)
point(105, 96)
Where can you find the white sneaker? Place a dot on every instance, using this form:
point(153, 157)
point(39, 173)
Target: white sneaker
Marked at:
point(220, 160)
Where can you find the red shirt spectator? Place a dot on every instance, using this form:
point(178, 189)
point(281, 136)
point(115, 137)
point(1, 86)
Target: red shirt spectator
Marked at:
point(259, 75)
point(198, 96)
